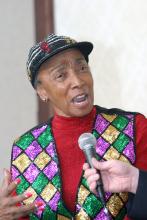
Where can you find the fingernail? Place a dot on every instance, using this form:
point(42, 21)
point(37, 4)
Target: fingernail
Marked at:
point(38, 204)
point(17, 181)
point(28, 194)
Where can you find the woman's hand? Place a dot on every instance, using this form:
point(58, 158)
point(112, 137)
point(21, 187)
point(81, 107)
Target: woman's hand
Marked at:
point(8, 208)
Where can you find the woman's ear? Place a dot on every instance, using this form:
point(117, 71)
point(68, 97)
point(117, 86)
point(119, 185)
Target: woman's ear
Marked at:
point(41, 92)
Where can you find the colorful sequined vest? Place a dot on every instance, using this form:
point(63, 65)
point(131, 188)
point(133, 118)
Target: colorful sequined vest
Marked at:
point(35, 161)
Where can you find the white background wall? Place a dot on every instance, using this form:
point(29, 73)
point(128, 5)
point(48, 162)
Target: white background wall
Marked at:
point(17, 98)
point(118, 62)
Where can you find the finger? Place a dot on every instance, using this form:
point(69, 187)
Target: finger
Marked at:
point(101, 165)
point(25, 210)
point(89, 172)
point(11, 187)
point(5, 182)
point(93, 178)
point(85, 166)
point(93, 187)
point(6, 179)
point(20, 211)
point(19, 198)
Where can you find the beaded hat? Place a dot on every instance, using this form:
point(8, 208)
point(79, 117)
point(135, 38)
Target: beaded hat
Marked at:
point(49, 47)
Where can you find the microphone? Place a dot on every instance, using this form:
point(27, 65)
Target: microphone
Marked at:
point(87, 143)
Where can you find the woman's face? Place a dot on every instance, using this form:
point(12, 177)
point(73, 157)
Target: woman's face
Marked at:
point(67, 82)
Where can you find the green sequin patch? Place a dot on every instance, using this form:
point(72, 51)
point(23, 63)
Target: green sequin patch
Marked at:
point(63, 210)
point(121, 214)
point(45, 138)
point(120, 122)
point(56, 182)
point(25, 141)
point(33, 217)
point(93, 209)
point(95, 133)
point(84, 182)
point(48, 212)
point(22, 186)
point(121, 142)
point(40, 182)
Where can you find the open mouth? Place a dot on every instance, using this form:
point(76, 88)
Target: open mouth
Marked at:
point(80, 99)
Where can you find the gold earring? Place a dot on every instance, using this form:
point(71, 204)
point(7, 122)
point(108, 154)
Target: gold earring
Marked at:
point(45, 100)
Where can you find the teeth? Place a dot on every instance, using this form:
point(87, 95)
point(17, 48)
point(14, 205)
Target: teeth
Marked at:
point(80, 98)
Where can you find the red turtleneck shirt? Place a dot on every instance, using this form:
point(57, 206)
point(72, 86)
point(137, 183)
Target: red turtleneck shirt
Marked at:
point(71, 158)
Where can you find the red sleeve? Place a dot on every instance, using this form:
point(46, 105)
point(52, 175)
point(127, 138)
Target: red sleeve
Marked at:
point(141, 142)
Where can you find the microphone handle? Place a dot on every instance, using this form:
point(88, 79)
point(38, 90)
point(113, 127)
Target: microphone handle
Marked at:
point(90, 153)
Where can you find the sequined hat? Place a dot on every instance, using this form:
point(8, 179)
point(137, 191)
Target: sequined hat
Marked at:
point(50, 46)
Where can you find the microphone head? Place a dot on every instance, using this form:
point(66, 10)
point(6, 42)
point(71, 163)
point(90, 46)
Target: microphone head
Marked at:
point(87, 140)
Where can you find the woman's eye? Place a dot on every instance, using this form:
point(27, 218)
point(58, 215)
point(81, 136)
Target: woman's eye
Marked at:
point(60, 76)
point(84, 67)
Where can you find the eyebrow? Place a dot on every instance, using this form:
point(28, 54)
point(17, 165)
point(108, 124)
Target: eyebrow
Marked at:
point(77, 60)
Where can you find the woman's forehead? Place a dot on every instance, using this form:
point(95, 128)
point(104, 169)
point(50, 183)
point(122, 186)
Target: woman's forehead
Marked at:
point(62, 58)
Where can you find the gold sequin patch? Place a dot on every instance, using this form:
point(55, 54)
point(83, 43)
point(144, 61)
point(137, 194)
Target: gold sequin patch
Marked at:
point(32, 198)
point(61, 217)
point(109, 118)
point(83, 193)
point(82, 215)
point(22, 162)
point(110, 134)
point(48, 192)
point(42, 159)
point(124, 196)
point(114, 205)
point(112, 153)
point(124, 159)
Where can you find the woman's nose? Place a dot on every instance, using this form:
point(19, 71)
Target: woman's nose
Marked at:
point(76, 80)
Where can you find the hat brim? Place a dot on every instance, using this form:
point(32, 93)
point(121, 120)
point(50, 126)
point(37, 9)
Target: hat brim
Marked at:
point(84, 47)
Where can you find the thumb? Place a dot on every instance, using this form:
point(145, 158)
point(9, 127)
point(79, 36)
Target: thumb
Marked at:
point(101, 165)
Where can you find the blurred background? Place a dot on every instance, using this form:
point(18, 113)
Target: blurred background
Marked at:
point(118, 62)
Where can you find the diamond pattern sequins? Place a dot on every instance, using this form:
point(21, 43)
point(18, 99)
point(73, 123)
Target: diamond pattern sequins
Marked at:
point(40, 182)
point(33, 150)
point(48, 192)
point(82, 215)
point(34, 161)
point(25, 141)
point(83, 192)
point(50, 170)
point(114, 205)
point(114, 135)
point(110, 134)
point(31, 173)
point(45, 138)
point(85, 199)
point(22, 162)
point(112, 153)
point(42, 160)
point(32, 198)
